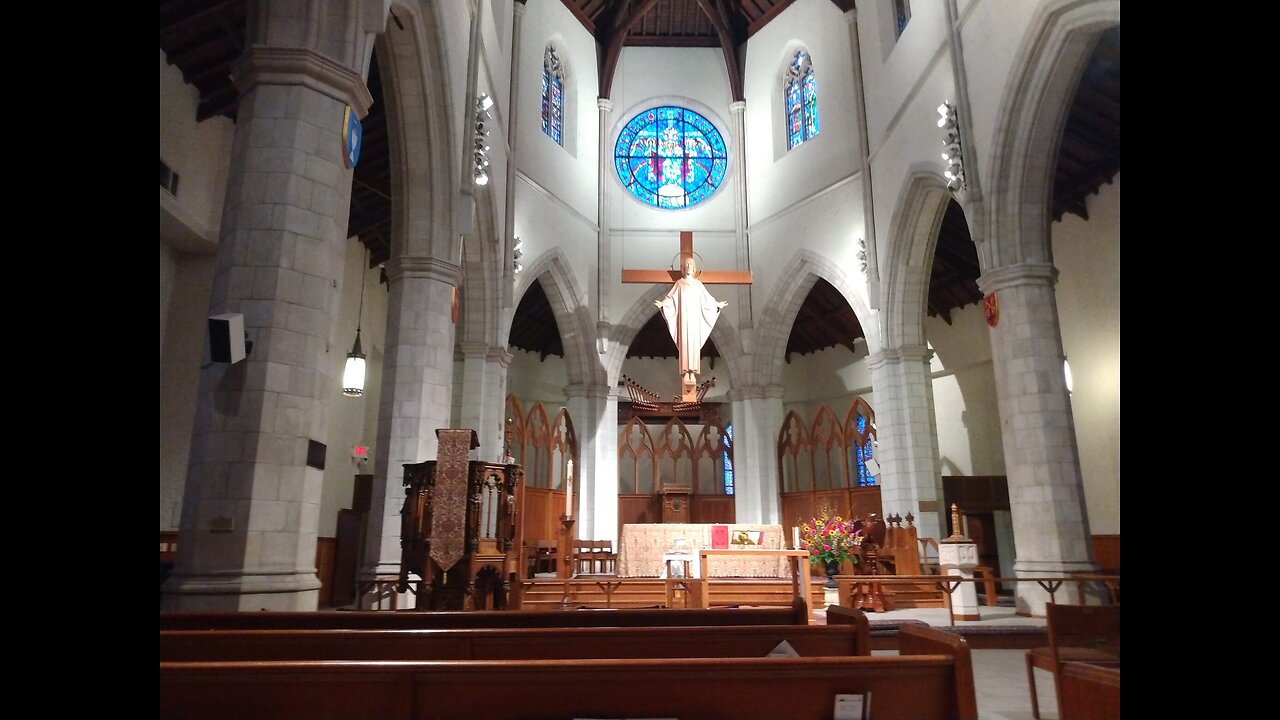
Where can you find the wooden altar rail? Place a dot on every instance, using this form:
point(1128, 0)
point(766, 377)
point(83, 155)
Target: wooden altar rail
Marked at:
point(932, 677)
point(861, 591)
point(799, 571)
point(852, 638)
point(796, 614)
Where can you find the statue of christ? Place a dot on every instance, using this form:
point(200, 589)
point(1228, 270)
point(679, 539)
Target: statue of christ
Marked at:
point(690, 312)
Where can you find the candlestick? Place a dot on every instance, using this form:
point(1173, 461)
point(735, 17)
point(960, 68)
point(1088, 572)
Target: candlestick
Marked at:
point(568, 493)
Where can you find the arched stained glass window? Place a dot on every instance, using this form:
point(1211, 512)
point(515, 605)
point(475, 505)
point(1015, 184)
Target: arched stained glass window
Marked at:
point(670, 157)
point(802, 100)
point(552, 96)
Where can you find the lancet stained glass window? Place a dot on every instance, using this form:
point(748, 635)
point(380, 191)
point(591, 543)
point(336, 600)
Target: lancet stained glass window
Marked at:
point(726, 440)
point(865, 478)
point(802, 100)
point(670, 157)
point(552, 96)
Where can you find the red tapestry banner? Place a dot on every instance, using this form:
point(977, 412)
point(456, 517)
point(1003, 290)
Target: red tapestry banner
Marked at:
point(449, 496)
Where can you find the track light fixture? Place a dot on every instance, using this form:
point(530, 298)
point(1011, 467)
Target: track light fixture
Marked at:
point(952, 151)
point(480, 149)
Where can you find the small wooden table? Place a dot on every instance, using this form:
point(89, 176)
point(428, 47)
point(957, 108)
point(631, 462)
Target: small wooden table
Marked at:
point(799, 570)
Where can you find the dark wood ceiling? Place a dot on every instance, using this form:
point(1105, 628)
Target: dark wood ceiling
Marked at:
point(203, 37)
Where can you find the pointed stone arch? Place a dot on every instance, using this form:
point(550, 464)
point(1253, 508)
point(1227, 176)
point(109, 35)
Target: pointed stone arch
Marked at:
point(783, 306)
point(913, 236)
point(424, 166)
point(577, 325)
point(1030, 124)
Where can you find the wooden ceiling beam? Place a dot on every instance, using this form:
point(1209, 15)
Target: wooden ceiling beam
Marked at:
point(617, 36)
point(718, 12)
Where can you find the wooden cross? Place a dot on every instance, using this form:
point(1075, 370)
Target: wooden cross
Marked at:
point(708, 277)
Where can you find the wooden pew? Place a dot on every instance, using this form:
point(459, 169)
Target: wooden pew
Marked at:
point(1088, 692)
point(513, 644)
point(796, 614)
point(931, 678)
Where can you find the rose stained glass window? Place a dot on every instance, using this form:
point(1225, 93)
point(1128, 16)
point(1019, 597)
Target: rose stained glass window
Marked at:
point(670, 157)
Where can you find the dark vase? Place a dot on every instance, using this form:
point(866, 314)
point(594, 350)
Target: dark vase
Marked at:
point(833, 569)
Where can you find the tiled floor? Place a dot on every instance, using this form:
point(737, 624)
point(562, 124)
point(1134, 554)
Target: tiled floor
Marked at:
point(1000, 676)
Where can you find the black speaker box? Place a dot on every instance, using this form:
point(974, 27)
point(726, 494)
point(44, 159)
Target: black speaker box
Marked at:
point(226, 338)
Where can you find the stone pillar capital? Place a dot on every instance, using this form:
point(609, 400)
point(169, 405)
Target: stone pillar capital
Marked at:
point(264, 65)
point(737, 107)
point(605, 104)
point(1020, 274)
point(587, 390)
point(402, 268)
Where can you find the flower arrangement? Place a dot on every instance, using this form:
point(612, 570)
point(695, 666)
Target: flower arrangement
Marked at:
point(831, 538)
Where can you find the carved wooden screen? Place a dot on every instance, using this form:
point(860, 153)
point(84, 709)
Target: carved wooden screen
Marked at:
point(651, 456)
point(543, 448)
point(822, 464)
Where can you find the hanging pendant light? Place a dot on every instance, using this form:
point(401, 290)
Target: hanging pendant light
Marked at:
point(353, 373)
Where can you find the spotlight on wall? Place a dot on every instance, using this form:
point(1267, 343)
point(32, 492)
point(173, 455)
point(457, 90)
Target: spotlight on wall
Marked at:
point(1066, 371)
point(951, 151)
point(480, 149)
point(517, 252)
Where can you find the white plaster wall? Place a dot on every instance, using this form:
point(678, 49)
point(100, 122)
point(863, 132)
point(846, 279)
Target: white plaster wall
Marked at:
point(1087, 255)
point(569, 170)
point(545, 222)
point(832, 376)
point(533, 380)
point(781, 178)
point(893, 69)
point(184, 351)
point(964, 394)
point(352, 421)
point(201, 155)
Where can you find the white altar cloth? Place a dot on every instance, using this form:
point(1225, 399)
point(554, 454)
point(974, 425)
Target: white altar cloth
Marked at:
point(643, 545)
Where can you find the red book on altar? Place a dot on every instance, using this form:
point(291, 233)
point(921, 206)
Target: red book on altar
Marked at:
point(719, 537)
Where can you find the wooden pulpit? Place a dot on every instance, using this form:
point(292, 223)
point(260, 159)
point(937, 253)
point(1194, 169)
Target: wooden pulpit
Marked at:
point(675, 504)
point(460, 533)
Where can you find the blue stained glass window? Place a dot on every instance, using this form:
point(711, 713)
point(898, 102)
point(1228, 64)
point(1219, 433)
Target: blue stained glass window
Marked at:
point(862, 423)
point(727, 440)
point(901, 15)
point(865, 479)
point(670, 157)
point(552, 96)
point(802, 100)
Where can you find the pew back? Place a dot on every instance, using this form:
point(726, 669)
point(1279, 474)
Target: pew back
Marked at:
point(509, 643)
point(902, 687)
point(797, 614)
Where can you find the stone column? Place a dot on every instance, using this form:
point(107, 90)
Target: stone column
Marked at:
point(1046, 494)
point(417, 395)
point(251, 503)
point(910, 479)
point(594, 410)
point(604, 248)
point(484, 391)
point(757, 417)
point(742, 244)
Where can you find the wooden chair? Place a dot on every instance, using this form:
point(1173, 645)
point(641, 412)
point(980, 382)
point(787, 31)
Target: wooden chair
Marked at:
point(1077, 633)
point(595, 557)
point(544, 559)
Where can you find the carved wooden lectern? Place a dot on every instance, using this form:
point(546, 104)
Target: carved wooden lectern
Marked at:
point(675, 504)
point(459, 533)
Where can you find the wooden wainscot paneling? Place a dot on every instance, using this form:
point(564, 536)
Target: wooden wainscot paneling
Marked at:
point(1106, 550)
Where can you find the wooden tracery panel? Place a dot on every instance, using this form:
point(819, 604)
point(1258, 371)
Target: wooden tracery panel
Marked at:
point(823, 464)
point(650, 457)
point(543, 448)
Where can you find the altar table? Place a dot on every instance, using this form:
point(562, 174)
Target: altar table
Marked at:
point(643, 545)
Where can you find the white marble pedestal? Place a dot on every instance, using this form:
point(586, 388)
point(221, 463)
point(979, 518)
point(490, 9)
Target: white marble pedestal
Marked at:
point(959, 558)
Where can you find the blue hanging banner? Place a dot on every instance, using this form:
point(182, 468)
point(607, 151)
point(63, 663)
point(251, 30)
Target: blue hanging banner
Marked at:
point(351, 136)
